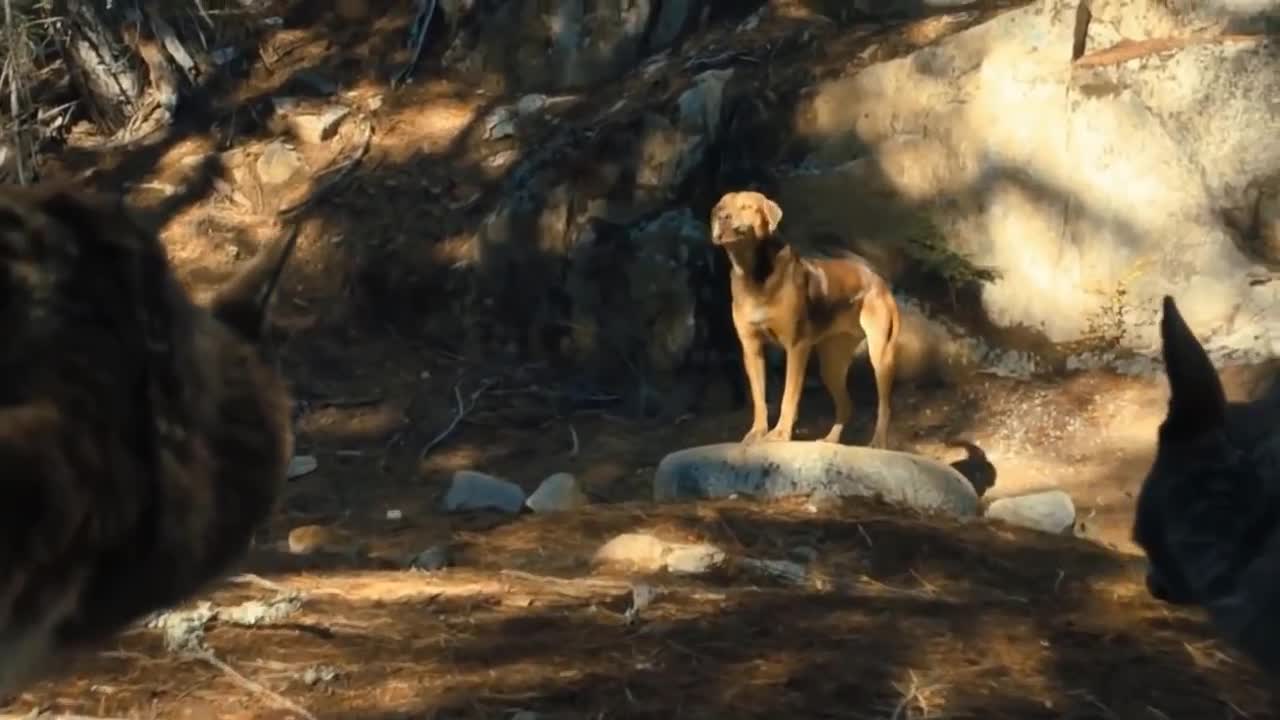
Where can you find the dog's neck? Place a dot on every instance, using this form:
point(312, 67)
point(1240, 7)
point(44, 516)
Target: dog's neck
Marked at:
point(756, 262)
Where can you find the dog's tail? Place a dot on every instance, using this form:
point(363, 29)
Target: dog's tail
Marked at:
point(895, 322)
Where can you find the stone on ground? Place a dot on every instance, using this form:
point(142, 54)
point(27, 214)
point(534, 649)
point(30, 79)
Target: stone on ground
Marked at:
point(471, 490)
point(557, 493)
point(432, 559)
point(781, 469)
point(1051, 511)
point(646, 553)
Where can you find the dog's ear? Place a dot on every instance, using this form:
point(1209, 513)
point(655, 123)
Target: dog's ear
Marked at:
point(771, 213)
point(242, 303)
point(1197, 402)
point(717, 225)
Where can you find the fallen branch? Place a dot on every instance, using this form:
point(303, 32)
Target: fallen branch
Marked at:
point(459, 413)
point(417, 38)
point(35, 715)
point(274, 697)
point(337, 175)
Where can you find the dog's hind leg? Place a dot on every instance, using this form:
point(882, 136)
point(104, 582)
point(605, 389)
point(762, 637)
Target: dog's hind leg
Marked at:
point(879, 321)
point(835, 355)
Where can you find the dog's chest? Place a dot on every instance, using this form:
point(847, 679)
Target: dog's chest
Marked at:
point(769, 311)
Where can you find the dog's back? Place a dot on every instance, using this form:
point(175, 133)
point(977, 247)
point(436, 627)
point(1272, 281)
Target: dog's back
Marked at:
point(142, 438)
point(1208, 514)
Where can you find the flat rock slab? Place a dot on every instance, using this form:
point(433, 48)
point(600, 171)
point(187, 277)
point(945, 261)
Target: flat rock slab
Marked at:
point(1051, 511)
point(781, 469)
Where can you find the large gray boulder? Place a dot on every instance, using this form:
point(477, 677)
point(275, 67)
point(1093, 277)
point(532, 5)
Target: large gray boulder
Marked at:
point(1149, 166)
point(781, 469)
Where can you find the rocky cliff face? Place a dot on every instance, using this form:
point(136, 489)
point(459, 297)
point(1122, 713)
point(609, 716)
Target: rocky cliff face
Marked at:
point(1143, 168)
point(966, 154)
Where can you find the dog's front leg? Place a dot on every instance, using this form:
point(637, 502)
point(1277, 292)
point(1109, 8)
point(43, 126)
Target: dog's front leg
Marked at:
point(797, 362)
point(753, 363)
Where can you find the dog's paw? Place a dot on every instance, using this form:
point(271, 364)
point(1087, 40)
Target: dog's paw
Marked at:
point(778, 435)
point(754, 435)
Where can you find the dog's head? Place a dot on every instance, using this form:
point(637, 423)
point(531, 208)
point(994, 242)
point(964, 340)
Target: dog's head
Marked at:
point(748, 217)
point(1207, 508)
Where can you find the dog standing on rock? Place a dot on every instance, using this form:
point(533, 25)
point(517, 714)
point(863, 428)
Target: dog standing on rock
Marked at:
point(1208, 513)
point(143, 438)
point(803, 304)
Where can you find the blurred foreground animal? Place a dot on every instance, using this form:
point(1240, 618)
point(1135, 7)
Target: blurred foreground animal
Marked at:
point(143, 438)
point(827, 305)
point(1208, 514)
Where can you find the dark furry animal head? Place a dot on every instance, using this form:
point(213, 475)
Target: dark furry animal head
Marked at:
point(1208, 510)
point(142, 438)
point(976, 467)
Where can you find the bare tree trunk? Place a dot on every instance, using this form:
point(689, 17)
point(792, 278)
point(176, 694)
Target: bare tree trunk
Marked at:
point(16, 69)
point(106, 73)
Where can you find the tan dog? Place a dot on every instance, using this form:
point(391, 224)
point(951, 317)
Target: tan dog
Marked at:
point(802, 304)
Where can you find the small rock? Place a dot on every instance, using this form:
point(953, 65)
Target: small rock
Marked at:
point(470, 490)
point(785, 570)
point(1052, 511)
point(557, 493)
point(319, 127)
point(224, 55)
point(781, 469)
point(308, 539)
point(301, 465)
point(500, 123)
point(647, 553)
point(502, 159)
point(640, 550)
point(531, 103)
point(432, 559)
point(278, 164)
point(693, 559)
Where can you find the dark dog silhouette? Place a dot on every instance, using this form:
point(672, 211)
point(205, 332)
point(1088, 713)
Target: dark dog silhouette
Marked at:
point(975, 467)
point(143, 438)
point(1208, 514)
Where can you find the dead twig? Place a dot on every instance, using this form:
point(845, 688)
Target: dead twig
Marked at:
point(459, 413)
point(274, 697)
point(52, 716)
point(573, 436)
point(417, 38)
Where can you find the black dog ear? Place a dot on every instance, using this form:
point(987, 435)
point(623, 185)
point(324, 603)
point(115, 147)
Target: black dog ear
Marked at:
point(242, 303)
point(1196, 400)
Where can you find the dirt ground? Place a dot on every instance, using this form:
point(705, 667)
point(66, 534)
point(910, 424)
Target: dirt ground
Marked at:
point(898, 616)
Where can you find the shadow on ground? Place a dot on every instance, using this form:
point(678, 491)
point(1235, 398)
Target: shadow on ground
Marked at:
point(898, 616)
